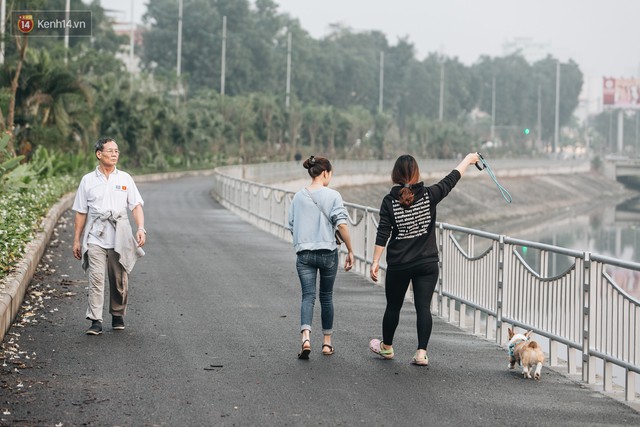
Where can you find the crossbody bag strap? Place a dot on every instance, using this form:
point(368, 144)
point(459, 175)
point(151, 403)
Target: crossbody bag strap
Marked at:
point(338, 236)
point(318, 206)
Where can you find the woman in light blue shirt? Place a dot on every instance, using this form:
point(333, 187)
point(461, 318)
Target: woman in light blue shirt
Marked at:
point(316, 212)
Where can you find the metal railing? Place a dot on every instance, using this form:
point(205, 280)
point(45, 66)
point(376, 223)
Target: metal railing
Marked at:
point(489, 282)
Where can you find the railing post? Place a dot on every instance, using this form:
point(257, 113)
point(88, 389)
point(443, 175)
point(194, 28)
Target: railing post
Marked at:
point(630, 386)
point(442, 272)
point(500, 291)
point(553, 354)
point(588, 362)
point(477, 319)
point(285, 215)
point(366, 242)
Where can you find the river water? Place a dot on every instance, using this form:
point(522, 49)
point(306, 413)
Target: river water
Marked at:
point(613, 231)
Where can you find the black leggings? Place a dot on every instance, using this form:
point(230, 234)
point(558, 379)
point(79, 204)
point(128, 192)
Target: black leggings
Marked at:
point(424, 278)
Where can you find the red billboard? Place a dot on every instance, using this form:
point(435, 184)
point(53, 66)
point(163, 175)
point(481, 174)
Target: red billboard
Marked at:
point(621, 93)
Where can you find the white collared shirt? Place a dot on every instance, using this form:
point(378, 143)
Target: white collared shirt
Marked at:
point(96, 193)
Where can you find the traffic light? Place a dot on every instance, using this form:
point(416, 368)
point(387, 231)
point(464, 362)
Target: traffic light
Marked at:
point(526, 131)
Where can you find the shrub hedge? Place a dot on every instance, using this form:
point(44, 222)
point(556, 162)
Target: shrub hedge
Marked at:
point(22, 212)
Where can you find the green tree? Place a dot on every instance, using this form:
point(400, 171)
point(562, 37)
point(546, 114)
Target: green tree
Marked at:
point(382, 123)
point(571, 81)
point(294, 123)
point(269, 118)
point(360, 127)
point(312, 121)
point(398, 62)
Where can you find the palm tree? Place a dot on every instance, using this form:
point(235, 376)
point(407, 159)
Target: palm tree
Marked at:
point(21, 45)
point(312, 123)
point(294, 121)
point(48, 86)
point(268, 116)
point(50, 95)
point(243, 118)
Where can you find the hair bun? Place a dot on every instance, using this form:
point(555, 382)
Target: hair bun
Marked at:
point(309, 163)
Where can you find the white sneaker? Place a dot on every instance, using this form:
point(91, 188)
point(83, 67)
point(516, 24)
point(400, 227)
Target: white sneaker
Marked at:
point(420, 361)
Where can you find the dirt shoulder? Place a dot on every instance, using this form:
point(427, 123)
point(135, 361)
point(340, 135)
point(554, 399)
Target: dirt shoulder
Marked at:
point(476, 201)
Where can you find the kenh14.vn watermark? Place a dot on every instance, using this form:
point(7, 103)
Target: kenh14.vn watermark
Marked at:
point(51, 23)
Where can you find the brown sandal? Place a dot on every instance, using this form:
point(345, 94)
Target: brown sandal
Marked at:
point(328, 352)
point(304, 352)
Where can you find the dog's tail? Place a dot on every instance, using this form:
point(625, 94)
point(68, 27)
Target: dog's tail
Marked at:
point(532, 345)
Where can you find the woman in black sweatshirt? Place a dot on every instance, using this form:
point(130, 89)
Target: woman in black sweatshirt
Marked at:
point(407, 223)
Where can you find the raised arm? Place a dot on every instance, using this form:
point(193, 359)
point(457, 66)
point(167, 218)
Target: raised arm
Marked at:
point(470, 159)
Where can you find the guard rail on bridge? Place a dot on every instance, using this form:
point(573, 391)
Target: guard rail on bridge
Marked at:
point(487, 281)
point(616, 167)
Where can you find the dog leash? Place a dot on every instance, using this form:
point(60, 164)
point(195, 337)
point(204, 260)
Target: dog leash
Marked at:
point(505, 194)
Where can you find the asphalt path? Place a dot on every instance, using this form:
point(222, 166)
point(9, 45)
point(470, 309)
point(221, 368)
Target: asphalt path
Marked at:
point(212, 338)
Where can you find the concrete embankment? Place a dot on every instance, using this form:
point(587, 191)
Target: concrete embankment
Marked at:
point(476, 201)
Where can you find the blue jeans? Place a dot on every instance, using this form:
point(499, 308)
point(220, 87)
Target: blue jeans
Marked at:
point(308, 263)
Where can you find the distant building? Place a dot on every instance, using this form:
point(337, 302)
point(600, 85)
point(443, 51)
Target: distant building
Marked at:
point(590, 100)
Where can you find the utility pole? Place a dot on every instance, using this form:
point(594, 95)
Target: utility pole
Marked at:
point(131, 35)
point(66, 31)
point(223, 61)
point(441, 109)
point(556, 134)
point(539, 124)
point(288, 89)
point(610, 139)
point(381, 89)
point(3, 18)
point(637, 131)
point(179, 53)
point(493, 109)
point(637, 114)
point(620, 131)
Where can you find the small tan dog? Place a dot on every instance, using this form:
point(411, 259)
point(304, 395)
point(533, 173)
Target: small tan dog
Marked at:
point(526, 352)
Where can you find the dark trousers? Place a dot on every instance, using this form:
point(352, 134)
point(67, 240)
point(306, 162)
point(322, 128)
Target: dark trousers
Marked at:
point(424, 278)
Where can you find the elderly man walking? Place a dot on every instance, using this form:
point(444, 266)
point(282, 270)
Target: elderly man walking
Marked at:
point(103, 238)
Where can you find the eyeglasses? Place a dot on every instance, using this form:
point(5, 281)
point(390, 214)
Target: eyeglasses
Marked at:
point(111, 150)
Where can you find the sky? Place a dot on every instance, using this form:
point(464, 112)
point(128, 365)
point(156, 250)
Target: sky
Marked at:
point(602, 36)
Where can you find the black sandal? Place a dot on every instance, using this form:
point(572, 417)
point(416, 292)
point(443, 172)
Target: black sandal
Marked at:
point(331, 349)
point(304, 352)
